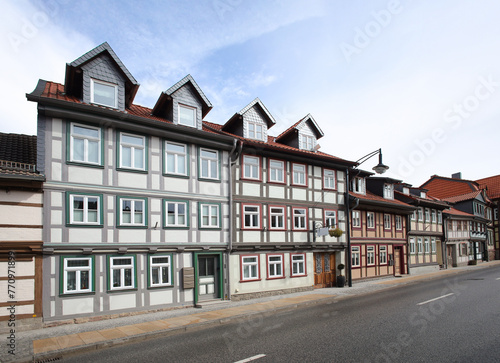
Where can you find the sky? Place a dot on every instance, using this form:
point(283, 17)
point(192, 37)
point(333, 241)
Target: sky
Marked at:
point(420, 80)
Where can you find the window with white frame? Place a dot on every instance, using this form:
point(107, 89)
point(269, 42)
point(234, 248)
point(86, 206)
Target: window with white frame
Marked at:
point(399, 223)
point(274, 266)
point(370, 255)
point(209, 164)
point(299, 218)
point(132, 151)
point(103, 93)
point(419, 245)
point(388, 191)
point(355, 256)
point(85, 209)
point(427, 215)
point(414, 215)
point(420, 212)
point(249, 268)
point(440, 217)
point(132, 212)
point(276, 171)
point(77, 275)
point(495, 214)
point(255, 131)
point(328, 179)
point(299, 174)
point(356, 221)
point(160, 273)
point(426, 245)
point(209, 215)
point(277, 217)
point(387, 221)
point(176, 158)
point(251, 167)
point(308, 142)
point(358, 185)
point(383, 255)
point(122, 272)
point(370, 220)
point(331, 218)
point(85, 144)
point(433, 216)
point(251, 216)
point(187, 115)
point(433, 245)
point(412, 245)
point(177, 214)
point(298, 265)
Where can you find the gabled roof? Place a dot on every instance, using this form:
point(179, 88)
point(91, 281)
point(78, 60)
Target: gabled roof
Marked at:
point(442, 187)
point(417, 200)
point(73, 78)
point(492, 186)
point(255, 103)
point(167, 95)
point(371, 199)
point(308, 118)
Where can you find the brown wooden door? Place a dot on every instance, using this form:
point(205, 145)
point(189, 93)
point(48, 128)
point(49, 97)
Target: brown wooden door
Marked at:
point(449, 256)
point(324, 269)
point(397, 261)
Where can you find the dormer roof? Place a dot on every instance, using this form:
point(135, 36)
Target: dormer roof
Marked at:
point(166, 96)
point(74, 81)
point(256, 103)
point(297, 126)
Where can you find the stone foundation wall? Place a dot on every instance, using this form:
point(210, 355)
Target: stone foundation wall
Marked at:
point(256, 295)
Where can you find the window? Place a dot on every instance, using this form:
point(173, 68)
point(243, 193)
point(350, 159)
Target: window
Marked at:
point(122, 272)
point(355, 257)
point(251, 216)
point(328, 179)
point(209, 164)
point(387, 221)
point(383, 255)
point(132, 212)
point(433, 245)
point(495, 214)
point(370, 255)
point(160, 273)
point(209, 215)
point(412, 245)
point(276, 171)
point(427, 215)
point(249, 268)
point(132, 152)
point(176, 214)
point(277, 218)
point(420, 212)
point(358, 185)
point(299, 174)
point(370, 220)
point(356, 222)
point(414, 215)
point(433, 216)
point(274, 266)
point(440, 217)
point(255, 131)
point(298, 265)
point(388, 191)
point(307, 142)
point(187, 116)
point(419, 245)
point(84, 209)
point(426, 245)
point(103, 93)
point(85, 144)
point(299, 218)
point(251, 167)
point(399, 223)
point(77, 275)
point(176, 158)
point(331, 218)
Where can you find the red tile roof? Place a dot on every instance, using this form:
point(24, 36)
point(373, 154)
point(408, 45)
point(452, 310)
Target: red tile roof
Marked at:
point(462, 197)
point(441, 187)
point(492, 185)
point(457, 212)
point(376, 198)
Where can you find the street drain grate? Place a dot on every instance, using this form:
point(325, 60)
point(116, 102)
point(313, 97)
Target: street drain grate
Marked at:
point(49, 360)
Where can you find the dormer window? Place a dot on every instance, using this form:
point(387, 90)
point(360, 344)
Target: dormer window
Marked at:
point(255, 131)
point(388, 191)
point(406, 191)
point(423, 195)
point(358, 185)
point(307, 142)
point(103, 93)
point(187, 116)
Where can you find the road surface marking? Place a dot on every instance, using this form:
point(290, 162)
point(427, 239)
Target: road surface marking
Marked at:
point(255, 357)
point(498, 278)
point(437, 298)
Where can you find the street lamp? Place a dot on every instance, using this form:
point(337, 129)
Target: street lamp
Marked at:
point(380, 168)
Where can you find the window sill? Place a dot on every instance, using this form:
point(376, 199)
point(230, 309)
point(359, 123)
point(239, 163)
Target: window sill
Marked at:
point(137, 171)
point(68, 294)
point(295, 276)
point(253, 280)
point(180, 176)
point(209, 180)
point(89, 165)
point(71, 225)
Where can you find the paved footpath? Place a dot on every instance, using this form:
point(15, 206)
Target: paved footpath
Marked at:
point(55, 342)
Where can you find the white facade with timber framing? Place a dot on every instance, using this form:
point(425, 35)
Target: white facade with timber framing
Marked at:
point(136, 200)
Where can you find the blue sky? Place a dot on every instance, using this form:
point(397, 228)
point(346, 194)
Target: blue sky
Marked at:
point(421, 80)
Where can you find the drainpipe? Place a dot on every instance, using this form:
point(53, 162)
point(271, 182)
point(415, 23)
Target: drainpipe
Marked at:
point(348, 228)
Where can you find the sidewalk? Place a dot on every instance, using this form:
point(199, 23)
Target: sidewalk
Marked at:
point(55, 342)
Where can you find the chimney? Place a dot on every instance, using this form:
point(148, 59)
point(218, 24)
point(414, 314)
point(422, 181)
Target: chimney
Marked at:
point(456, 175)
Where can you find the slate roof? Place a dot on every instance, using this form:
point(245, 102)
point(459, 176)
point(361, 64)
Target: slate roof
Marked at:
point(18, 156)
point(492, 186)
point(270, 119)
point(319, 132)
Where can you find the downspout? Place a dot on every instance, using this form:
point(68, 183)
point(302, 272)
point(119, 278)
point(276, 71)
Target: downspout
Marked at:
point(444, 251)
point(348, 228)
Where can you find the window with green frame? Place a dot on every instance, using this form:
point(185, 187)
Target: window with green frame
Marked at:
point(132, 212)
point(176, 214)
point(84, 144)
point(209, 164)
point(132, 152)
point(160, 270)
point(77, 274)
point(122, 272)
point(209, 215)
point(84, 209)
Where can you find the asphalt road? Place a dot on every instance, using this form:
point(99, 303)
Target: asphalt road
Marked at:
point(452, 319)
